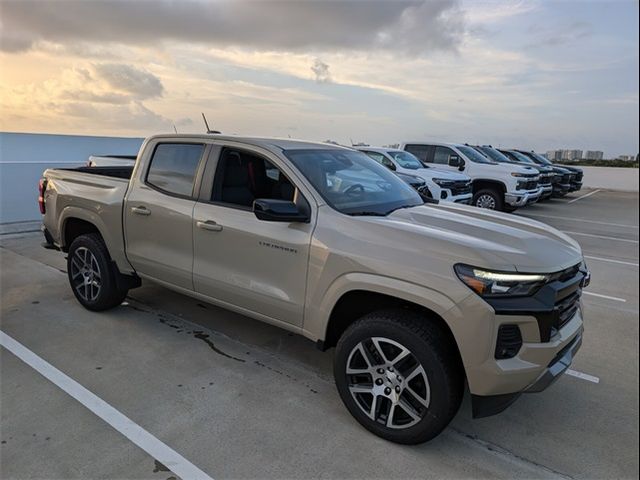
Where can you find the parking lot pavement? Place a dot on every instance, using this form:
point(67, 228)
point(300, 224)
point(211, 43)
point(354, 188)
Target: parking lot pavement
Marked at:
point(250, 400)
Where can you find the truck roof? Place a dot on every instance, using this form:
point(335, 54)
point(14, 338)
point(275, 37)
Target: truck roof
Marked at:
point(267, 142)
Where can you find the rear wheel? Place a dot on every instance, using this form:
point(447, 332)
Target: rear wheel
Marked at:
point(399, 376)
point(490, 199)
point(92, 275)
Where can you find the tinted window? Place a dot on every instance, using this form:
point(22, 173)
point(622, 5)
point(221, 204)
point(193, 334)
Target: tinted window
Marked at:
point(405, 159)
point(442, 154)
point(380, 158)
point(242, 177)
point(494, 154)
point(420, 151)
point(474, 155)
point(173, 167)
point(353, 183)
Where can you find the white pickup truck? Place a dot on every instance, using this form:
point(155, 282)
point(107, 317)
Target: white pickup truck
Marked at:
point(447, 186)
point(496, 186)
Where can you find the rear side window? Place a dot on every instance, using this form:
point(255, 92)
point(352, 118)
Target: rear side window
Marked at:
point(173, 167)
point(420, 151)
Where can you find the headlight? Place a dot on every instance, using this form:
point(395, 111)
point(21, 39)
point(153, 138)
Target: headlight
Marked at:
point(500, 284)
point(516, 174)
point(443, 182)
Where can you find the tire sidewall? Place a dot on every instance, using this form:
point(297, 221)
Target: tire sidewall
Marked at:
point(436, 417)
point(108, 288)
point(497, 197)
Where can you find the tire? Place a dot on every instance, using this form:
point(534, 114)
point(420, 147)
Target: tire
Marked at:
point(433, 394)
point(490, 199)
point(92, 275)
point(509, 209)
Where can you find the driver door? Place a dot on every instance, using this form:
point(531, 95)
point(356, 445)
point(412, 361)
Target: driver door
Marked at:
point(255, 265)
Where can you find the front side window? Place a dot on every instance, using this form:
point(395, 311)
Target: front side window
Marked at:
point(381, 159)
point(495, 155)
point(521, 157)
point(242, 177)
point(173, 167)
point(405, 159)
point(352, 183)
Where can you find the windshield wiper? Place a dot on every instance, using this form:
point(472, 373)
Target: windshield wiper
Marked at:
point(367, 214)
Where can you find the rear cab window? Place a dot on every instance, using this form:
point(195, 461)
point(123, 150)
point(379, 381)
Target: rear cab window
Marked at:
point(173, 168)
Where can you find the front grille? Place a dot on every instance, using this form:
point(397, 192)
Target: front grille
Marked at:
point(566, 178)
point(529, 185)
point(547, 179)
point(459, 187)
point(578, 177)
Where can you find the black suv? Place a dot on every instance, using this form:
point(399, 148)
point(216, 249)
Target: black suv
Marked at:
point(575, 182)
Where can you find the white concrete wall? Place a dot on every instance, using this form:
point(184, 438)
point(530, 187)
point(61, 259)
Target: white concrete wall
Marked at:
point(24, 156)
point(611, 178)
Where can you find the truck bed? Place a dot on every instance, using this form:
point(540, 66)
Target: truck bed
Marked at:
point(115, 172)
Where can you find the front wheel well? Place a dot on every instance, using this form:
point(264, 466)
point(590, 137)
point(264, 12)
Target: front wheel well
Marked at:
point(357, 303)
point(479, 185)
point(73, 228)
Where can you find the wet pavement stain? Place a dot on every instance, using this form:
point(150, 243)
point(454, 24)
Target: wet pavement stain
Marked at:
point(205, 338)
point(159, 467)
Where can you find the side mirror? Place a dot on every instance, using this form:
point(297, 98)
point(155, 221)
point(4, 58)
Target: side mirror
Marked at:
point(391, 166)
point(455, 161)
point(272, 210)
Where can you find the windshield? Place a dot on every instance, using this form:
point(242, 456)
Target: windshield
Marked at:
point(495, 155)
point(521, 157)
point(540, 159)
point(473, 155)
point(405, 159)
point(352, 183)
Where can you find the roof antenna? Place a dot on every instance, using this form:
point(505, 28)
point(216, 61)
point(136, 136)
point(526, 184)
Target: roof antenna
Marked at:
point(206, 124)
point(175, 129)
point(351, 140)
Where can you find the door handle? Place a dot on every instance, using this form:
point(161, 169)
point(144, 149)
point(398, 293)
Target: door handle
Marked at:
point(209, 225)
point(141, 210)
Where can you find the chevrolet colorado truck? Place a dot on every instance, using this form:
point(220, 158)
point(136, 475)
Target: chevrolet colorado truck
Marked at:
point(420, 300)
point(495, 186)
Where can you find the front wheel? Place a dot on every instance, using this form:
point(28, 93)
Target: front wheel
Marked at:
point(91, 274)
point(399, 375)
point(489, 199)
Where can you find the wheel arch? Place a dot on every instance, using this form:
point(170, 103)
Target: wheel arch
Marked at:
point(486, 183)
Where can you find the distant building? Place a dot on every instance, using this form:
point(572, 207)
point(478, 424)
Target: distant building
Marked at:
point(627, 158)
point(554, 155)
point(571, 154)
point(593, 155)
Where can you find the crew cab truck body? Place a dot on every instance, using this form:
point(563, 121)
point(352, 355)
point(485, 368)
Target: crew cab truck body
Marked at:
point(496, 186)
point(547, 174)
point(442, 185)
point(325, 242)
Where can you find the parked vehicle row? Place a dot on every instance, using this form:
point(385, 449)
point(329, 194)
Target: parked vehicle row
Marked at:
point(420, 300)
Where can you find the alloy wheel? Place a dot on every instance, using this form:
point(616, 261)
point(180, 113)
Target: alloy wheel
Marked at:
point(85, 274)
point(486, 201)
point(388, 382)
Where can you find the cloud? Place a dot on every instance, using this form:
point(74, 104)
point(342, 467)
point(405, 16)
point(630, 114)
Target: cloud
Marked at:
point(132, 80)
point(321, 71)
point(412, 26)
point(548, 37)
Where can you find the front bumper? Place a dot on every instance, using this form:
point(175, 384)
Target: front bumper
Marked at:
point(522, 199)
point(547, 191)
point(488, 405)
point(575, 186)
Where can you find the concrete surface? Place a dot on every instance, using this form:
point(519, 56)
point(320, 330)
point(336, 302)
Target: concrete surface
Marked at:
point(272, 410)
point(611, 178)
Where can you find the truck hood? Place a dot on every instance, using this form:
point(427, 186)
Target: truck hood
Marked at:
point(436, 173)
point(488, 239)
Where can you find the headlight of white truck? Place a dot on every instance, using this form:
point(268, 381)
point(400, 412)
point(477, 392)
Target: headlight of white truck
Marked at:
point(500, 284)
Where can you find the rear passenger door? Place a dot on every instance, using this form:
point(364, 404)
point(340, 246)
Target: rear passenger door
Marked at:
point(422, 152)
point(158, 212)
point(255, 265)
point(441, 156)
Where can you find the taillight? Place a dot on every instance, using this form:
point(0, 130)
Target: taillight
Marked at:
point(42, 186)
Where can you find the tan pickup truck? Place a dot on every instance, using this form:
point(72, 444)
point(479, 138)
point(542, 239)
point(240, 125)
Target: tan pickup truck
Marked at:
point(419, 300)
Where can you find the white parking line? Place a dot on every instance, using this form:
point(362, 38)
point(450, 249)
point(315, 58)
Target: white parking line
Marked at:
point(599, 295)
point(601, 236)
point(134, 432)
point(582, 376)
point(611, 260)
point(584, 196)
point(581, 220)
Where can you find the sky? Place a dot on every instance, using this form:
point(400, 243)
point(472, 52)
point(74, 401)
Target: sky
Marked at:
point(528, 74)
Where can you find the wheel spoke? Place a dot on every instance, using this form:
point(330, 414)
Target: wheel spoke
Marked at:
point(417, 370)
point(392, 410)
point(423, 401)
point(362, 351)
point(409, 409)
point(374, 405)
point(376, 344)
